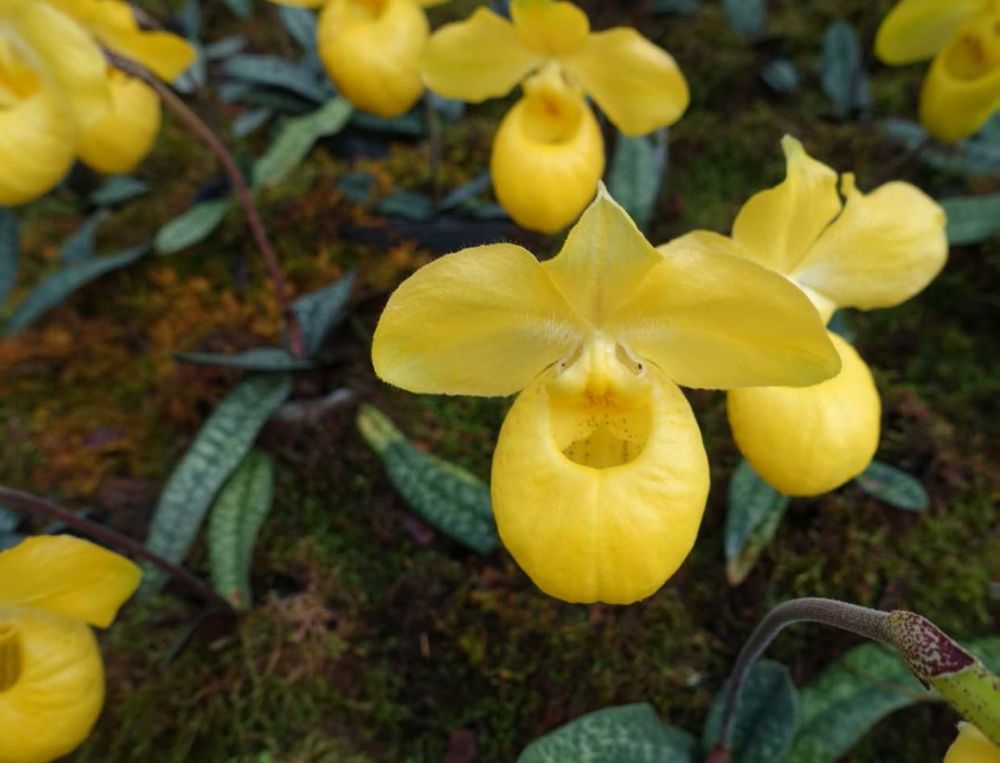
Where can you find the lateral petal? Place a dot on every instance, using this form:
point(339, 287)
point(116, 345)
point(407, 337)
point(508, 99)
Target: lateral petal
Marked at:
point(711, 320)
point(479, 58)
point(67, 576)
point(778, 226)
point(636, 83)
point(917, 29)
point(482, 321)
point(884, 248)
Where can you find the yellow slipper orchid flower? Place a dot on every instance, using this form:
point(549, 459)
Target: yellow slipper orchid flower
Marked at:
point(52, 589)
point(962, 89)
point(972, 746)
point(548, 154)
point(122, 138)
point(873, 250)
point(371, 50)
point(599, 475)
point(636, 83)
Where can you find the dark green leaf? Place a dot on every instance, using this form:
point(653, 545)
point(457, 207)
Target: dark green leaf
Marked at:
point(746, 16)
point(117, 190)
point(10, 251)
point(972, 219)
point(625, 734)
point(58, 286)
point(297, 136)
point(894, 487)
point(237, 515)
point(356, 186)
point(9, 520)
point(976, 156)
point(754, 513)
point(80, 245)
point(258, 359)
point(843, 73)
point(224, 48)
point(242, 8)
point(766, 719)
point(409, 123)
point(192, 226)
point(407, 204)
point(221, 444)
point(840, 324)
point(468, 191)
point(781, 76)
point(450, 498)
point(675, 7)
point(273, 71)
point(320, 311)
point(301, 25)
point(250, 120)
point(189, 18)
point(636, 172)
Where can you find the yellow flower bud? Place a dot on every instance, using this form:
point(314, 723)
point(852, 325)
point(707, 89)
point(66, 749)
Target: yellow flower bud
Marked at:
point(371, 50)
point(972, 746)
point(548, 154)
point(809, 440)
point(123, 137)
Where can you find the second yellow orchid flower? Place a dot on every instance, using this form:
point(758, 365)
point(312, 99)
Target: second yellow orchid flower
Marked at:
point(872, 250)
point(599, 475)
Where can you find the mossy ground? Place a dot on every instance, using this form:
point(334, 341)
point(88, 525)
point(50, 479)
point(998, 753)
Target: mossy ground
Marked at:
point(368, 643)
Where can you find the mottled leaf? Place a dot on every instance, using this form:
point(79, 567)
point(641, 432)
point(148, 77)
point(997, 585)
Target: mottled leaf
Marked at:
point(972, 219)
point(237, 515)
point(257, 359)
point(894, 487)
point(754, 514)
point(297, 136)
point(117, 190)
point(192, 226)
point(220, 445)
point(58, 286)
point(320, 311)
point(451, 499)
point(625, 734)
point(637, 170)
point(843, 73)
point(10, 251)
point(766, 717)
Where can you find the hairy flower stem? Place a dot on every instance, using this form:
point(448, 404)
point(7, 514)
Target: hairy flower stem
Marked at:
point(863, 621)
point(216, 145)
point(32, 504)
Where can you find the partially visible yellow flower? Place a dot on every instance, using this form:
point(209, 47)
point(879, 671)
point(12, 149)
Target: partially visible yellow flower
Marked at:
point(52, 589)
point(120, 140)
point(371, 50)
point(873, 250)
point(962, 88)
point(548, 154)
point(972, 746)
point(636, 83)
point(599, 475)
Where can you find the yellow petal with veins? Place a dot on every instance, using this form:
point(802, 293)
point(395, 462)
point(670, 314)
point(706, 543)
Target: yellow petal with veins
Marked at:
point(51, 685)
point(123, 137)
point(810, 440)
point(548, 155)
point(972, 746)
point(885, 247)
point(603, 261)
point(778, 226)
point(479, 58)
point(37, 140)
point(917, 29)
point(550, 28)
point(599, 480)
point(636, 83)
point(66, 576)
point(482, 321)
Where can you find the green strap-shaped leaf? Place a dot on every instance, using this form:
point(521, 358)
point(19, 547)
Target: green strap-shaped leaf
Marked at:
point(320, 311)
point(80, 246)
point(58, 286)
point(191, 226)
point(297, 136)
point(748, 17)
point(220, 445)
point(10, 251)
point(972, 219)
point(856, 692)
point(766, 719)
point(267, 359)
point(237, 515)
point(450, 498)
point(894, 487)
point(118, 189)
point(625, 734)
point(843, 72)
point(637, 170)
point(754, 514)
point(274, 71)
